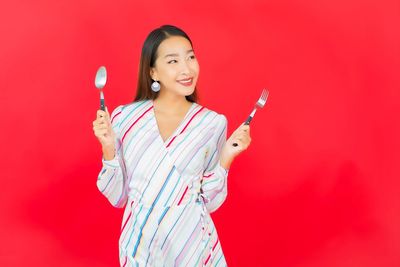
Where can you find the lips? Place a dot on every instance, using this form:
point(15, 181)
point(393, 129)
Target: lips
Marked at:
point(186, 82)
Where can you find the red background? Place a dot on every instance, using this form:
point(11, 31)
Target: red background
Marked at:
point(319, 185)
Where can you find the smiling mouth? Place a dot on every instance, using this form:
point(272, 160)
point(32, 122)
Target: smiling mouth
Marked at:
point(186, 82)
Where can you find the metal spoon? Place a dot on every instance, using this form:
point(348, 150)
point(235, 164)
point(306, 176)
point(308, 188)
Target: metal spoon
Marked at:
point(100, 82)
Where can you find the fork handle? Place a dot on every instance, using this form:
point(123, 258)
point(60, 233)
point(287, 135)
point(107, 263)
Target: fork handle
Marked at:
point(247, 122)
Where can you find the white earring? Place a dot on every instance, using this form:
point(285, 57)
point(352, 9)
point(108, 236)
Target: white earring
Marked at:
point(155, 86)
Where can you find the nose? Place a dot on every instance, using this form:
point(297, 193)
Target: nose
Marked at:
point(185, 68)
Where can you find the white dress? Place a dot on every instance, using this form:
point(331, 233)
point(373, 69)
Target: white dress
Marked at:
point(168, 188)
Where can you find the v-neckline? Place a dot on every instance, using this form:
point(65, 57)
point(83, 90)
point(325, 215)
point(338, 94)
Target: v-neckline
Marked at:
point(174, 132)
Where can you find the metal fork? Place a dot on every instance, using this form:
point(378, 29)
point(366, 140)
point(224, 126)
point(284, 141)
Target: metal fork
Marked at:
point(259, 104)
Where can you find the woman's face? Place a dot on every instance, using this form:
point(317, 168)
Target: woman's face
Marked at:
point(176, 67)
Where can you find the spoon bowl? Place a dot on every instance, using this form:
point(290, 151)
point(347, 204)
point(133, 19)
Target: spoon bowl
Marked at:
point(100, 82)
point(101, 78)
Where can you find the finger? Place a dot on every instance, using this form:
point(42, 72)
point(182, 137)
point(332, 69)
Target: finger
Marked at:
point(101, 114)
point(101, 133)
point(100, 128)
point(237, 139)
point(239, 144)
point(241, 137)
point(240, 134)
point(244, 134)
point(245, 128)
point(108, 113)
point(244, 137)
point(242, 144)
point(99, 122)
point(103, 120)
point(246, 142)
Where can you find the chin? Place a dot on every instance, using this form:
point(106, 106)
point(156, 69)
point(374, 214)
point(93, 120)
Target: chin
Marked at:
point(187, 91)
point(190, 92)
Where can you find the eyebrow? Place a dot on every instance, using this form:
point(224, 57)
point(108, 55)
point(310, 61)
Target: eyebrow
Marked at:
point(176, 55)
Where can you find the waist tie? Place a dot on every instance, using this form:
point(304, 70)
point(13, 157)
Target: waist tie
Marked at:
point(203, 199)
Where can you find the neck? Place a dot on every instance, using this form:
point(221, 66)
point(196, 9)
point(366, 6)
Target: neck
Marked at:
point(172, 104)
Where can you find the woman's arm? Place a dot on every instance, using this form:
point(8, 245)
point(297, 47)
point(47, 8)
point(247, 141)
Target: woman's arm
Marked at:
point(220, 158)
point(112, 181)
point(214, 182)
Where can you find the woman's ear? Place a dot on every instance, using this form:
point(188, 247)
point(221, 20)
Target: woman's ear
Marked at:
point(153, 74)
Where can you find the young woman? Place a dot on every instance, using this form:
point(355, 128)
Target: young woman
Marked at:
point(166, 160)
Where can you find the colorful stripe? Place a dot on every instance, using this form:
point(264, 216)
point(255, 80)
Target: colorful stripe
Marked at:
point(163, 223)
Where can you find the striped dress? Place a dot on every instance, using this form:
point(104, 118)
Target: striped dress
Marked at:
point(168, 188)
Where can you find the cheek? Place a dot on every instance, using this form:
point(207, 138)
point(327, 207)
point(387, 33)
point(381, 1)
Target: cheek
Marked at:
point(168, 73)
point(195, 67)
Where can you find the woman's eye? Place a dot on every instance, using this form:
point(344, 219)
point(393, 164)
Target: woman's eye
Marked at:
point(192, 57)
point(172, 61)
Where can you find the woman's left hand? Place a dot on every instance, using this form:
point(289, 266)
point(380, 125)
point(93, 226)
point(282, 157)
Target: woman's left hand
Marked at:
point(241, 136)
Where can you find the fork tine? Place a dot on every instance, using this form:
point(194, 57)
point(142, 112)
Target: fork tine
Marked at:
point(261, 96)
point(264, 94)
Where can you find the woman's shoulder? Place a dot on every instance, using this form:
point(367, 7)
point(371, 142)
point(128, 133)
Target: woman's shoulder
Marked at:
point(129, 108)
point(211, 116)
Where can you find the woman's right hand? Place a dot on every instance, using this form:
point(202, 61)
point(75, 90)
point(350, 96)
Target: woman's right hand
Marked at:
point(102, 129)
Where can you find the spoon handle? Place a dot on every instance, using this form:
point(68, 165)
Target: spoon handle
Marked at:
point(102, 105)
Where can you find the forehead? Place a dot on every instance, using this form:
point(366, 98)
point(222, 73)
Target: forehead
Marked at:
point(174, 45)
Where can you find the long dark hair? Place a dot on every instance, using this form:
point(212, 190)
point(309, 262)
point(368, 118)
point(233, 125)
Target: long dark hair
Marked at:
point(148, 59)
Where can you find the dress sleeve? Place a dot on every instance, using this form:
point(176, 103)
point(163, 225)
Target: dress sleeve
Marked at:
point(112, 179)
point(214, 184)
